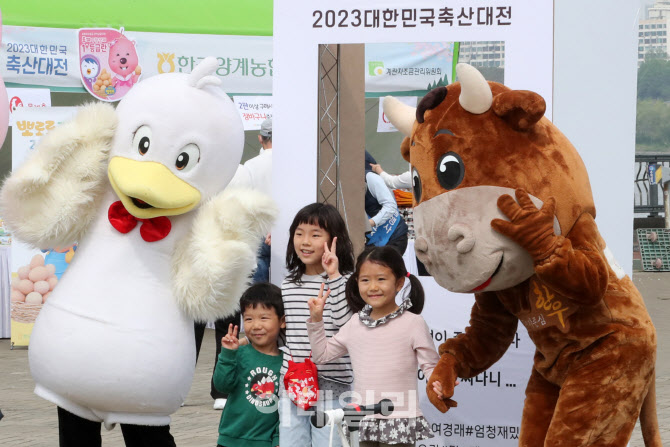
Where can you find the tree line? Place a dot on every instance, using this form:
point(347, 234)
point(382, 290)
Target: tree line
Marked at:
point(653, 105)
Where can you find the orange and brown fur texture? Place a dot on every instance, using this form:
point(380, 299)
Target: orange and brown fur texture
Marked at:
point(503, 208)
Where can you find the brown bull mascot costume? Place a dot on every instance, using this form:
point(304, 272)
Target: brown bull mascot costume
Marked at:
point(503, 208)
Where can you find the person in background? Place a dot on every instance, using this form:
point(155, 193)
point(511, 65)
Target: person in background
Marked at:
point(404, 182)
point(255, 173)
point(387, 225)
point(400, 181)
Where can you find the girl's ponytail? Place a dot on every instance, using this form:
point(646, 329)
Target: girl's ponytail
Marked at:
point(353, 295)
point(416, 295)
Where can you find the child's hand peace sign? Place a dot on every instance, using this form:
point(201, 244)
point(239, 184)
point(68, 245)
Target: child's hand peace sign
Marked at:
point(230, 341)
point(329, 259)
point(317, 304)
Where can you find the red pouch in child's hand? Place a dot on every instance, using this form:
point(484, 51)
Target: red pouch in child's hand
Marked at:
point(301, 382)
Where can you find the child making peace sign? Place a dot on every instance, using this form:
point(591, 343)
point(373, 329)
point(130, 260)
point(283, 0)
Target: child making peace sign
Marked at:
point(250, 416)
point(386, 343)
point(319, 251)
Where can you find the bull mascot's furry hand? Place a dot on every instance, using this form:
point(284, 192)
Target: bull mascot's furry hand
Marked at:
point(445, 373)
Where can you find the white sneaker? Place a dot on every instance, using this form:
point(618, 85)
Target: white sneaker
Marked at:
point(219, 404)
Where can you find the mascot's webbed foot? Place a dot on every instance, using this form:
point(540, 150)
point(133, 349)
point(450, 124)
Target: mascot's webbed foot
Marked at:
point(445, 373)
point(212, 265)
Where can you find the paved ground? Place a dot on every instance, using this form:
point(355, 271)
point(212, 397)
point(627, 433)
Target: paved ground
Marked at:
point(655, 288)
point(31, 421)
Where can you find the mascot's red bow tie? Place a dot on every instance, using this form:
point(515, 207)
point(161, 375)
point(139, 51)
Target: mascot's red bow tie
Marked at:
point(152, 230)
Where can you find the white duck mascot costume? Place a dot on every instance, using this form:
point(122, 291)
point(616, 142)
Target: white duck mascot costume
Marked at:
point(140, 189)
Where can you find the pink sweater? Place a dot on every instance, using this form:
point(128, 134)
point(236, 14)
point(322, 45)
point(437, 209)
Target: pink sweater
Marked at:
point(384, 358)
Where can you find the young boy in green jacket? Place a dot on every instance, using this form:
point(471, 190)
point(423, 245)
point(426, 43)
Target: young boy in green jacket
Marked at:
point(250, 373)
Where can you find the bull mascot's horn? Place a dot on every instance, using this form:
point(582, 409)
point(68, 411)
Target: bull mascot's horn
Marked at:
point(400, 114)
point(476, 96)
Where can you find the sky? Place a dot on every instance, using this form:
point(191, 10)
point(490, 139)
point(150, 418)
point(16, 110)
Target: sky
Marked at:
point(642, 4)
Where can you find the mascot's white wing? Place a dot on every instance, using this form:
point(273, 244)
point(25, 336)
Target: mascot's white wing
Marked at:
point(53, 197)
point(211, 265)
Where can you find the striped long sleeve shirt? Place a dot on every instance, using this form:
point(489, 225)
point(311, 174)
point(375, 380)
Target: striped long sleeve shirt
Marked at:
point(335, 314)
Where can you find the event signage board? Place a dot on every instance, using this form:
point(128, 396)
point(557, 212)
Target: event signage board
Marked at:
point(30, 125)
point(253, 110)
point(66, 58)
point(50, 57)
point(39, 56)
point(27, 97)
point(490, 405)
point(397, 67)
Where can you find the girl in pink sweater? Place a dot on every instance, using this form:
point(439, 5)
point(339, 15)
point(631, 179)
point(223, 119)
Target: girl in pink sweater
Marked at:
point(386, 343)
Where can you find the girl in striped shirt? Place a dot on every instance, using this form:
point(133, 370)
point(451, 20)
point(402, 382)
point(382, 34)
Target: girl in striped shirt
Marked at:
point(319, 252)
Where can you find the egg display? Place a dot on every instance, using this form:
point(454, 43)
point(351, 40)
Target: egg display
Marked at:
point(104, 80)
point(34, 282)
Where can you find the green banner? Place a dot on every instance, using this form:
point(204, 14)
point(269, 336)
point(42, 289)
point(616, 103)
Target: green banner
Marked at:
point(231, 17)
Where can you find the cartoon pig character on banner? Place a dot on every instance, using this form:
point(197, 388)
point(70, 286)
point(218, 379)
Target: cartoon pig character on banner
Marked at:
point(123, 62)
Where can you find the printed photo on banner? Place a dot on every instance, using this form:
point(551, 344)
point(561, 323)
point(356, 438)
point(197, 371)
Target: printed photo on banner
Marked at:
point(108, 61)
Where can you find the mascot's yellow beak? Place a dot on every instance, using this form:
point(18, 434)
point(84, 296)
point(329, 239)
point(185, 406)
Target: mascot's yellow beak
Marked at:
point(148, 189)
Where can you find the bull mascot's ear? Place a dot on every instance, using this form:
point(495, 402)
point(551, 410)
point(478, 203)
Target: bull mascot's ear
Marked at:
point(521, 109)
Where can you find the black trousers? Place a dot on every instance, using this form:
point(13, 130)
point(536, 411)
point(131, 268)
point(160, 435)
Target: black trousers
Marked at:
point(399, 243)
point(74, 431)
point(220, 331)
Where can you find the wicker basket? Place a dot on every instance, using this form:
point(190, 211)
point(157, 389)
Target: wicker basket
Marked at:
point(25, 313)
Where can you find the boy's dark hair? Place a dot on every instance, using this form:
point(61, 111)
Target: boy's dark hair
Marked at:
point(265, 294)
point(327, 217)
point(391, 258)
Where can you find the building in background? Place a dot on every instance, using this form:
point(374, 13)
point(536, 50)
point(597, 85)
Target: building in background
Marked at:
point(653, 32)
point(483, 54)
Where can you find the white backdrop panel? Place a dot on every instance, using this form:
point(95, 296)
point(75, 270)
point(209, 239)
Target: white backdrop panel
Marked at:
point(579, 59)
point(488, 415)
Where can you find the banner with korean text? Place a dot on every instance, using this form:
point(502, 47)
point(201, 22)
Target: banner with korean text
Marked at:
point(50, 57)
point(401, 66)
point(489, 405)
point(27, 97)
point(253, 110)
point(34, 271)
